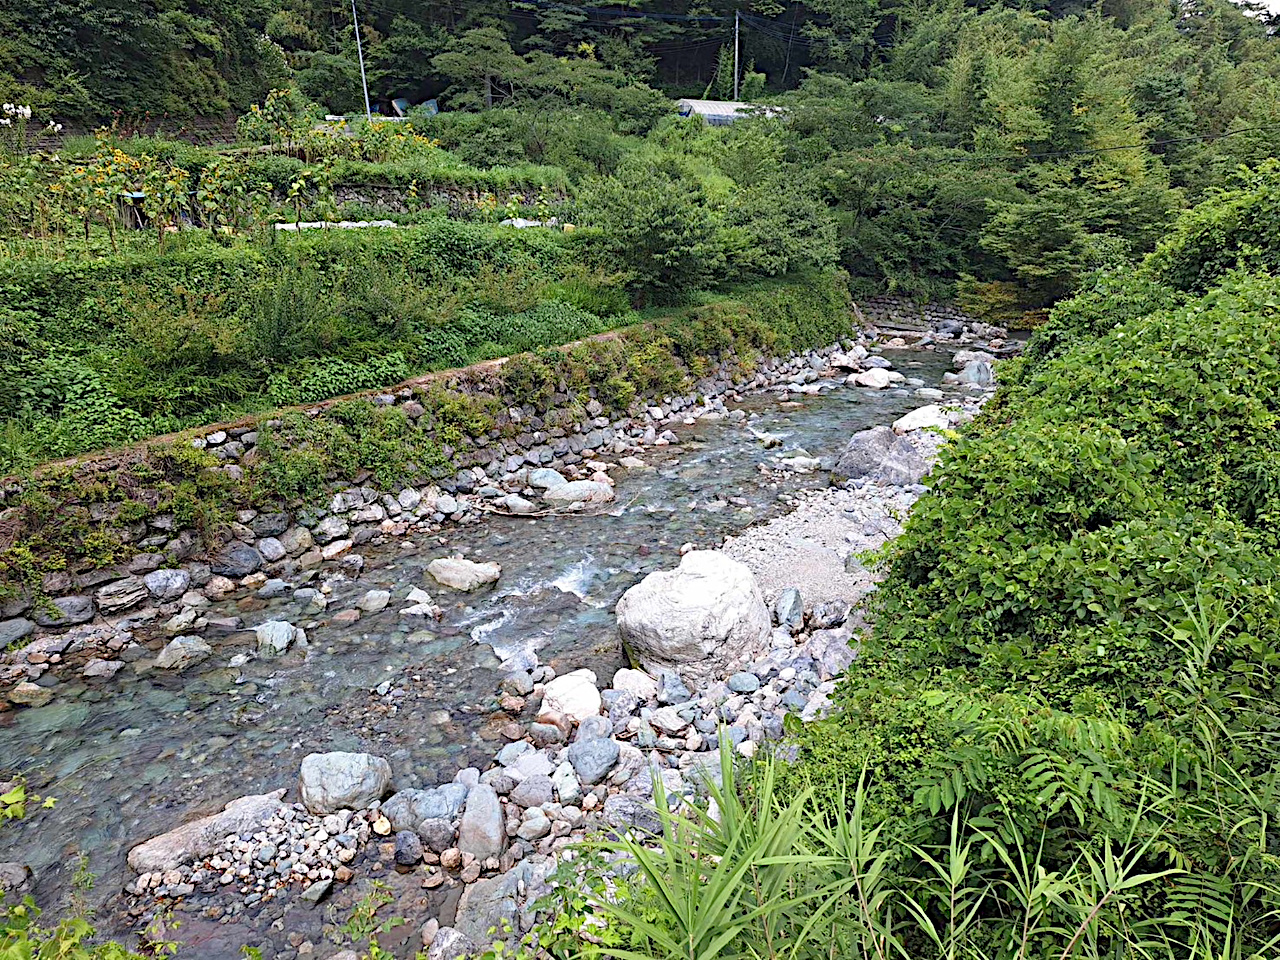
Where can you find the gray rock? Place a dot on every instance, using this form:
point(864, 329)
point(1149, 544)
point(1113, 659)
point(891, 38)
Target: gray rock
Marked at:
point(534, 826)
point(408, 848)
point(593, 759)
point(121, 595)
point(15, 877)
point(546, 479)
point(489, 905)
point(707, 617)
point(518, 683)
point(374, 601)
point(451, 944)
point(68, 611)
point(314, 892)
point(272, 549)
point(297, 540)
point(482, 832)
point(275, 587)
point(181, 652)
point(11, 631)
point(864, 452)
point(330, 782)
point(437, 834)
point(977, 372)
point(235, 561)
point(446, 504)
point(167, 584)
point(514, 503)
point(410, 809)
point(671, 688)
point(788, 609)
point(533, 791)
point(903, 465)
point(595, 728)
point(624, 812)
point(201, 838)
point(565, 781)
point(330, 529)
point(744, 682)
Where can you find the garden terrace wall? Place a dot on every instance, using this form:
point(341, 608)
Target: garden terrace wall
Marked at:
point(252, 496)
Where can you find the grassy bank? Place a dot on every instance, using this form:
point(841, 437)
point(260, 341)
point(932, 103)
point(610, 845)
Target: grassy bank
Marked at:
point(81, 515)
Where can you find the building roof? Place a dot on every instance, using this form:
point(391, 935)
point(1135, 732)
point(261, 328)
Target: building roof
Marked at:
point(721, 112)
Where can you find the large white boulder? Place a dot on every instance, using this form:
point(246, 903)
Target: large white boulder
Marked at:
point(931, 417)
point(574, 695)
point(706, 618)
point(463, 574)
point(330, 782)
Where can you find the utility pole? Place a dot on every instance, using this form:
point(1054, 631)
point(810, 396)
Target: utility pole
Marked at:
point(364, 83)
point(735, 52)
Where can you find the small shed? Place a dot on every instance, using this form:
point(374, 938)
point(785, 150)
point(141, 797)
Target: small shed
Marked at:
point(721, 113)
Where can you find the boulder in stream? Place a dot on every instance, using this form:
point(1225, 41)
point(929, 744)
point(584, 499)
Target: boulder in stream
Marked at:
point(706, 617)
point(330, 782)
point(881, 454)
point(201, 838)
point(465, 575)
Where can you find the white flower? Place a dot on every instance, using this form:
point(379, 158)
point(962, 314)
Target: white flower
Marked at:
point(5, 121)
point(8, 108)
point(26, 112)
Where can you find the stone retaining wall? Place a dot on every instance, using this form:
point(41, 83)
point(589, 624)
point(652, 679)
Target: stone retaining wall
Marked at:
point(492, 471)
point(901, 312)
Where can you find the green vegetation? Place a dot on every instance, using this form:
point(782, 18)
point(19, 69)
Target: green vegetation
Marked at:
point(83, 515)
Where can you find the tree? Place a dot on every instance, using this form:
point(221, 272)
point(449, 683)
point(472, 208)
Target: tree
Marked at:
point(657, 229)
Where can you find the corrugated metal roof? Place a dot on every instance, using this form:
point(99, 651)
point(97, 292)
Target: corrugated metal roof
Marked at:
point(721, 112)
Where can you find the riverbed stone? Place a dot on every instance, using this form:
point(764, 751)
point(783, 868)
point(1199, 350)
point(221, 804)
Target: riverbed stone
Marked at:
point(275, 637)
point(236, 560)
point(329, 782)
point(121, 595)
point(374, 601)
point(545, 478)
point(11, 631)
point(272, 549)
point(30, 694)
point(67, 612)
point(706, 617)
point(743, 682)
point(482, 832)
point(167, 584)
point(451, 944)
point(593, 759)
point(788, 609)
point(464, 575)
point(637, 683)
point(410, 809)
point(408, 848)
point(929, 417)
point(574, 695)
point(580, 491)
point(201, 838)
point(533, 791)
point(875, 379)
point(181, 652)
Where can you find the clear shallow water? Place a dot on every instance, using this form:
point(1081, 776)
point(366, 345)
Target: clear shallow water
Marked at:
point(136, 756)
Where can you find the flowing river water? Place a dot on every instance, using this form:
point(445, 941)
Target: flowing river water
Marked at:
point(138, 755)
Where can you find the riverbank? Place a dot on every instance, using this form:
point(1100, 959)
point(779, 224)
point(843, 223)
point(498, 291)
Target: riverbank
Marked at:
point(412, 695)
